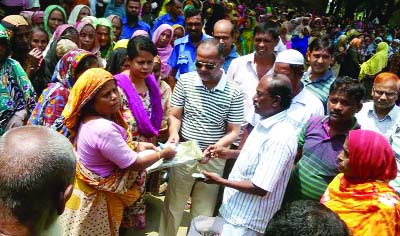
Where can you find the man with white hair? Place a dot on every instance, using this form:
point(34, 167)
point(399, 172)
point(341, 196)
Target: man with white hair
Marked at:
point(36, 179)
point(304, 104)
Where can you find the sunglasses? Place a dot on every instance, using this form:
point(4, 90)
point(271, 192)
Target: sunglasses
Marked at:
point(209, 66)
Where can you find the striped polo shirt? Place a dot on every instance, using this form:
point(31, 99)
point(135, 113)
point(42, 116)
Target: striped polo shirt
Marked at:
point(206, 113)
point(318, 164)
point(265, 160)
point(320, 86)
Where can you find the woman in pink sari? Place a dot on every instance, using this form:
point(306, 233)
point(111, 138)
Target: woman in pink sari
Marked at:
point(162, 37)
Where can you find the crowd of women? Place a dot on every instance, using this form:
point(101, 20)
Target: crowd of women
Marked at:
point(108, 96)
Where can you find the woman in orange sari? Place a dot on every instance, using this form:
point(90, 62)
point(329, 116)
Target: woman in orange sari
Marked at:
point(361, 195)
point(108, 165)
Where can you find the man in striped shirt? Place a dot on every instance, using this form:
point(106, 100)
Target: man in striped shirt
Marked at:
point(257, 183)
point(319, 77)
point(321, 141)
point(208, 108)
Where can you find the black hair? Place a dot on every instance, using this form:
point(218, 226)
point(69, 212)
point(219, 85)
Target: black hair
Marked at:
point(140, 43)
point(278, 87)
point(40, 29)
point(297, 69)
point(269, 27)
point(115, 60)
point(85, 64)
point(170, 3)
point(322, 43)
point(215, 43)
point(192, 11)
point(349, 86)
point(306, 218)
point(127, 1)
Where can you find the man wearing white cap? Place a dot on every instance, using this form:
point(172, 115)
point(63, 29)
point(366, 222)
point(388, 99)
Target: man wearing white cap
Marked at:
point(304, 104)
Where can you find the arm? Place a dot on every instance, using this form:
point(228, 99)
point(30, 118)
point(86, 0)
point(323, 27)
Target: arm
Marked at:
point(174, 123)
point(144, 161)
point(232, 133)
point(245, 186)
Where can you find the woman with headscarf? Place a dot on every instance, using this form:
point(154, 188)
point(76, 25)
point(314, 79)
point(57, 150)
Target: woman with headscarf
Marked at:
point(87, 37)
point(104, 34)
point(64, 31)
point(116, 22)
point(373, 66)
point(179, 32)
point(162, 37)
point(300, 40)
point(54, 16)
point(361, 194)
point(108, 162)
point(352, 60)
point(79, 12)
point(141, 107)
point(17, 94)
point(53, 99)
point(246, 37)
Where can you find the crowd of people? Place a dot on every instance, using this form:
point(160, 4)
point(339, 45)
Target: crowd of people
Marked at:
point(296, 115)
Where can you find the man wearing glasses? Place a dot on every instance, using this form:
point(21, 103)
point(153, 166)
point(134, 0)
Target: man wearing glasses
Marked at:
point(381, 114)
point(208, 108)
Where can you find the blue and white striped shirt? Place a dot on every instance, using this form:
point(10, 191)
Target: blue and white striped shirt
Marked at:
point(266, 160)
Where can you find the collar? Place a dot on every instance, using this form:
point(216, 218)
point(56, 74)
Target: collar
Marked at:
point(299, 98)
point(233, 53)
point(391, 114)
point(220, 86)
point(325, 125)
point(328, 74)
point(270, 121)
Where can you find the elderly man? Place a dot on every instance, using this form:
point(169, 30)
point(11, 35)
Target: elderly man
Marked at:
point(304, 104)
point(381, 114)
point(321, 140)
point(224, 31)
point(172, 17)
point(35, 179)
point(131, 22)
point(257, 183)
point(208, 108)
point(182, 59)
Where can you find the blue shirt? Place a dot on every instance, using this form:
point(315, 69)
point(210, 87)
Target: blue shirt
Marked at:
point(167, 19)
point(127, 30)
point(183, 55)
point(228, 59)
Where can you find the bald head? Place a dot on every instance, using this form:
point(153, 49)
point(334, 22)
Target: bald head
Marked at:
point(280, 85)
point(37, 165)
point(224, 31)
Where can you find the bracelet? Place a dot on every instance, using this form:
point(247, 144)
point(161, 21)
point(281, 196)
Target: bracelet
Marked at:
point(158, 155)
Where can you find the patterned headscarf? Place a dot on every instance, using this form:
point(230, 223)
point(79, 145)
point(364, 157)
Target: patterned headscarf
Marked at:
point(370, 156)
point(47, 14)
point(86, 88)
point(65, 68)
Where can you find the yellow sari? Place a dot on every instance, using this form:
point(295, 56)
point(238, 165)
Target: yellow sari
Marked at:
point(97, 204)
point(370, 208)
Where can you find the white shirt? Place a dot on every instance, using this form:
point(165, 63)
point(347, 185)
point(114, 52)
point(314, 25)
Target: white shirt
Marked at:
point(303, 106)
point(243, 71)
point(368, 119)
point(280, 47)
point(265, 160)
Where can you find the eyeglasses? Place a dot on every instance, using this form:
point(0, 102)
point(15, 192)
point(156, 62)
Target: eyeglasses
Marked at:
point(387, 93)
point(209, 66)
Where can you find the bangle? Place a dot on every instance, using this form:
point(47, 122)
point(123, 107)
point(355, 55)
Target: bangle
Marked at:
point(158, 155)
